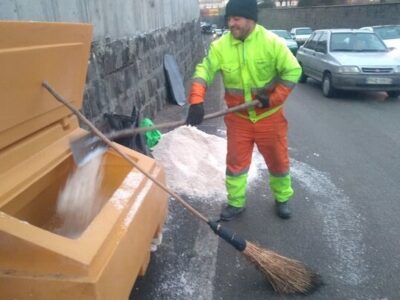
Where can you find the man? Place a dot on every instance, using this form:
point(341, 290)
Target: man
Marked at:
point(254, 63)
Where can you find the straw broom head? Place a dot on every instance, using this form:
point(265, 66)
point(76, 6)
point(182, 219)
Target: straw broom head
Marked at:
point(286, 276)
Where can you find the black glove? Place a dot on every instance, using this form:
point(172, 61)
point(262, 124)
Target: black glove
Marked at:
point(264, 100)
point(195, 115)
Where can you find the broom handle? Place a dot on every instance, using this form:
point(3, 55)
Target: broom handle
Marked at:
point(132, 131)
point(111, 145)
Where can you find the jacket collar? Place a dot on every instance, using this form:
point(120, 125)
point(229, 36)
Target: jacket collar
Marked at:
point(251, 36)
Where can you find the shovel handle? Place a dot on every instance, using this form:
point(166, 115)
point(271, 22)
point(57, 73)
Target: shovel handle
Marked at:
point(132, 131)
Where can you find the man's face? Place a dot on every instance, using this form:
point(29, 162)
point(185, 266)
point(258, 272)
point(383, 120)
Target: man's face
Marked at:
point(240, 27)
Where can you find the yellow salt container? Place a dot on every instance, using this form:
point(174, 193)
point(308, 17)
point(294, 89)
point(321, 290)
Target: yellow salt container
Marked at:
point(35, 162)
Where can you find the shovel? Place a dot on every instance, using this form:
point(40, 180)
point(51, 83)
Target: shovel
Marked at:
point(88, 146)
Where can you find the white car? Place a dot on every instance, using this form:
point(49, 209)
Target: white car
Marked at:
point(350, 59)
point(217, 32)
point(390, 34)
point(301, 34)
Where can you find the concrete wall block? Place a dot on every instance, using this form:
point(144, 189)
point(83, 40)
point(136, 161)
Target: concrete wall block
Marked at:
point(150, 89)
point(171, 36)
point(86, 105)
point(149, 110)
point(128, 78)
point(355, 16)
point(151, 41)
point(163, 95)
point(96, 101)
point(160, 40)
point(141, 70)
point(154, 83)
point(116, 83)
point(97, 57)
point(140, 97)
point(141, 46)
point(125, 104)
point(94, 70)
point(135, 71)
point(132, 49)
point(159, 101)
point(109, 59)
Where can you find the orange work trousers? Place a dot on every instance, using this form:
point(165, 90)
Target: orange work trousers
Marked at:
point(270, 136)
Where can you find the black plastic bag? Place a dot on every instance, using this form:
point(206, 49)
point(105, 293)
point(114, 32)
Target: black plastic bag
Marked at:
point(118, 122)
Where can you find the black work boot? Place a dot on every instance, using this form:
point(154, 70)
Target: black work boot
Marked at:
point(282, 209)
point(230, 212)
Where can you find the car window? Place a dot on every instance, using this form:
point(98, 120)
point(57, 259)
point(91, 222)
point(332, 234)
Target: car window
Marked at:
point(307, 43)
point(322, 43)
point(340, 42)
point(312, 41)
point(303, 31)
point(356, 42)
point(282, 33)
point(388, 32)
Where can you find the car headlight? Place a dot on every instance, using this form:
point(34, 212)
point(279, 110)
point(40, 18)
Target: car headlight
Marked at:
point(349, 69)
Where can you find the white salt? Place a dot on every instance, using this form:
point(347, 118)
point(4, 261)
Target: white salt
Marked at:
point(194, 162)
point(78, 202)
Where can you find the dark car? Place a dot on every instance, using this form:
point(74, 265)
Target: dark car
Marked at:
point(285, 35)
point(206, 28)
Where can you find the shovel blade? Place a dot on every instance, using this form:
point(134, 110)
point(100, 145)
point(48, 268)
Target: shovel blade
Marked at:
point(86, 147)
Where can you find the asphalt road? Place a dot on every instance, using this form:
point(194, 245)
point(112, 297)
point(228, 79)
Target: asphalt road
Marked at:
point(345, 163)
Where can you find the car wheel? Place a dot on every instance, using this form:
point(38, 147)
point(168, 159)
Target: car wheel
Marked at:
point(393, 94)
point(327, 88)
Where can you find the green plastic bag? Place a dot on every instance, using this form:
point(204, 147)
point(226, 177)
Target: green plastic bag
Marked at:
point(152, 137)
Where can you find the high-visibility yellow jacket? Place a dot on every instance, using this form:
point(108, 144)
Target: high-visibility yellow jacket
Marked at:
point(262, 63)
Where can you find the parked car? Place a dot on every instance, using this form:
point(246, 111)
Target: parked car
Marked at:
point(206, 28)
point(301, 34)
point(390, 34)
point(285, 35)
point(217, 32)
point(350, 59)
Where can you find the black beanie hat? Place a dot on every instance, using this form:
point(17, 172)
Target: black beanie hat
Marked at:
point(242, 8)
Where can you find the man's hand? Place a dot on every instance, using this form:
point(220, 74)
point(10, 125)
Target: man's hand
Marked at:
point(264, 100)
point(195, 115)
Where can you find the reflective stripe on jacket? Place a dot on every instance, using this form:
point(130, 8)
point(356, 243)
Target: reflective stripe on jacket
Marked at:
point(262, 63)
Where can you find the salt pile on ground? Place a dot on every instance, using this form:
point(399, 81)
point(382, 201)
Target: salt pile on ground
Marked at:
point(194, 162)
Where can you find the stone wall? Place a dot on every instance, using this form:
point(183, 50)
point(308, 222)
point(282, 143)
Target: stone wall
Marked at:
point(130, 39)
point(129, 72)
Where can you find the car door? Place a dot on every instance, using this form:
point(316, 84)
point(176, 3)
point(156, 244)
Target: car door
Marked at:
point(308, 60)
point(303, 56)
point(321, 61)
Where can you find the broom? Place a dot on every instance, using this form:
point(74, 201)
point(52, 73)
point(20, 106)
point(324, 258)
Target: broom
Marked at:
point(286, 276)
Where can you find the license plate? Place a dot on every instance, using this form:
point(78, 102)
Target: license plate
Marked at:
point(379, 80)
